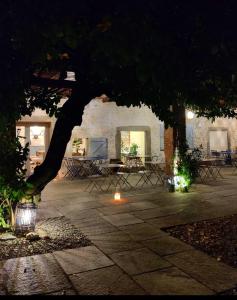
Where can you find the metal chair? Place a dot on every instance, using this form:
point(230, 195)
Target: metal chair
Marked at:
point(145, 178)
point(94, 183)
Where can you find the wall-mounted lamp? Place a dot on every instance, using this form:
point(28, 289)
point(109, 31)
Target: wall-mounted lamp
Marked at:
point(70, 76)
point(190, 115)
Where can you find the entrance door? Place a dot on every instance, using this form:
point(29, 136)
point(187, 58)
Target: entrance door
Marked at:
point(218, 140)
point(36, 136)
point(133, 142)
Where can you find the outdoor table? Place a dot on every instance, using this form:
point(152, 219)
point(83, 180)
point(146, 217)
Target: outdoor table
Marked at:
point(210, 168)
point(86, 166)
point(115, 175)
point(133, 161)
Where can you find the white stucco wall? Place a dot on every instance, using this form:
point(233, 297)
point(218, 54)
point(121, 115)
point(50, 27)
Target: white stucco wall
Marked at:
point(203, 125)
point(101, 119)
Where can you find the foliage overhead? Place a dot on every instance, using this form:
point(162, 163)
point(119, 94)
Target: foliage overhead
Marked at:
point(154, 52)
point(158, 53)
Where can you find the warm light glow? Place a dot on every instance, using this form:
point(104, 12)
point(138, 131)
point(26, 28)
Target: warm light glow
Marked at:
point(117, 196)
point(70, 76)
point(176, 158)
point(25, 217)
point(36, 130)
point(190, 115)
point(179, 182)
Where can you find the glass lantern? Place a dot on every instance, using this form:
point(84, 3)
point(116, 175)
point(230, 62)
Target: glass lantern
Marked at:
point(117, 195)
point(25, 217)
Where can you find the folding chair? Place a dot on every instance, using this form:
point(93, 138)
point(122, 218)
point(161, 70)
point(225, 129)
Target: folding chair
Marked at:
point(216, 168)
point(72, 170)
point(94, 183)
point(145, 178)
point(234, 165)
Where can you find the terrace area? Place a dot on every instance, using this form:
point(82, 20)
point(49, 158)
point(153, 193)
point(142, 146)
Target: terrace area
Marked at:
point(130, 253)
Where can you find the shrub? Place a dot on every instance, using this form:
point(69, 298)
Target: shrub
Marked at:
point(187, 168)
point(12, 189)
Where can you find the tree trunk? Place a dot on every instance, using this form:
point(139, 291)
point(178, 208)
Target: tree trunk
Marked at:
point(175, 136)
point(70, 116)
point(169, 138)
point(180, 125)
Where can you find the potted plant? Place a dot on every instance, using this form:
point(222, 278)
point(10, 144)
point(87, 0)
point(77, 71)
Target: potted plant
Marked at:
point(76, 145)
point(133, 149)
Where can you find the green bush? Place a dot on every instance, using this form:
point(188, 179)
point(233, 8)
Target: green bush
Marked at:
point(187, 167)
point(12, 188)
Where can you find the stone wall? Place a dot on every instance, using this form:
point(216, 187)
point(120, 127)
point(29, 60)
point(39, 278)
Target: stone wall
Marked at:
point(202, 126)
point(101, 119)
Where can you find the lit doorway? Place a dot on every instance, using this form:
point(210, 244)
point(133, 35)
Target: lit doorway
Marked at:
point(37, 137)
point(132, 143)
point(218, 140)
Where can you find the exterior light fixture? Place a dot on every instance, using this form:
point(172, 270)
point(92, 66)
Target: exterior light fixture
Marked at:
point(70, 76)
point(190, 115)
point(177, 182)
point(25, 217)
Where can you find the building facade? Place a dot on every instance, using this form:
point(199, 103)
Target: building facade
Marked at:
point(111, 131)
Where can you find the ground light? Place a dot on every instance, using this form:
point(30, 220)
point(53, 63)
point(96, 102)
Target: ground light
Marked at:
point(177, 182)
point(117, 195)
point(25, 217)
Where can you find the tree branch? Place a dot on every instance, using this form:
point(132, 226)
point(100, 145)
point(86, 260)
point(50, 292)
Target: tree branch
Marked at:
point(58, 83)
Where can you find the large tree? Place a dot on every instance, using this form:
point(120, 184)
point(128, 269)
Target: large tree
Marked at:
point(161, 53)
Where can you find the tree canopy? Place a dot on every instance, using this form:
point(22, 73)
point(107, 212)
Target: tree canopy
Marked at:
point(152, 52)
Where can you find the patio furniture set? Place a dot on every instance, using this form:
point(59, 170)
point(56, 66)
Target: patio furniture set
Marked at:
point(103, 175)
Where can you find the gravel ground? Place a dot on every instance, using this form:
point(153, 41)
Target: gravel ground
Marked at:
point(61, 235)
point(217, 237)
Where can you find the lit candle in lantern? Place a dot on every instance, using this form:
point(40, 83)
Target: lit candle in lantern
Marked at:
point(117, 195)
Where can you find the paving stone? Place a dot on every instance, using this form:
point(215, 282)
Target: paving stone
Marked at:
point(98, 229)
point(64, 292)
point(114, 242)
point(105, 281)
point(45, 213)
point(116, 209)
point(85, 214)
point(171, 281)
point(143, 205)
point(157, 212)
point(207, 270)
point(168, 221)
point(166, 245)
point(139, 261)
point(38, 274)
point(91, 221)
point(71, 208)
point(142, 232)
point(122, 219)
point(82, 259)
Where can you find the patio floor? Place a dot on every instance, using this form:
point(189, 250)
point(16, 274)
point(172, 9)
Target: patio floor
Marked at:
point(130, 254)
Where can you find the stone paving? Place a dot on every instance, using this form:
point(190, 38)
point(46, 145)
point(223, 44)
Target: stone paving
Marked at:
point(130, 253)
